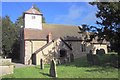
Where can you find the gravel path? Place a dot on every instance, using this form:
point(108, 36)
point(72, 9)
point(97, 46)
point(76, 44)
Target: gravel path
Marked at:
point(20, 65)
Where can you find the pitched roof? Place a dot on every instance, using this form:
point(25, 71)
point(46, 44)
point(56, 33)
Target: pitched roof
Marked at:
point(32, 11)
point(64, 31)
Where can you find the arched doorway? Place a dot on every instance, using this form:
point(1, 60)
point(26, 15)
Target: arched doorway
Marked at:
point(33, 57)
point(63, 53)
point(63, 56)
point(100, 52)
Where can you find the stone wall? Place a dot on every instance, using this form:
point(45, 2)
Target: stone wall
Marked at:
point(4, 61)
point(4, 70)
point(30, 48)
point(77, 48)
point(54, 47)
point(51, 51)
point(6, 67)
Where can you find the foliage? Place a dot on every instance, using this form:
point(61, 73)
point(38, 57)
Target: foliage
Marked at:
point(19, 22)
point(9, 35)
point(109, 23)
point(103, 60)
point(0, 36)
point(66, 71)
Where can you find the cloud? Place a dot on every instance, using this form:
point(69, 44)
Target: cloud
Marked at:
point(90, 18)
point(77, 15)
point(74, 12)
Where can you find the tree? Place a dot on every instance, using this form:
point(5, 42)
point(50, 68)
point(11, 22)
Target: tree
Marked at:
point(109, 16)
point(0, 36)
point(9, 36)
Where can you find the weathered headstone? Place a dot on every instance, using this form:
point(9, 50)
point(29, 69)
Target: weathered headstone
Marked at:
point(53, 72)
point(97, 51)
point(90, 52)
point(71, 57)
point(90, 59)
point(96, 60)
point(41, 64)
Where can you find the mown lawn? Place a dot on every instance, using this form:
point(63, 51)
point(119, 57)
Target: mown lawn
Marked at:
point(77, 69)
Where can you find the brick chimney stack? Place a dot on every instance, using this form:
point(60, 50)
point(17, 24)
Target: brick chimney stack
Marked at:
point(49, 37)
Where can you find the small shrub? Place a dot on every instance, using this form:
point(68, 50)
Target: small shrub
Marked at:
point(104, 60)
point(114, 60)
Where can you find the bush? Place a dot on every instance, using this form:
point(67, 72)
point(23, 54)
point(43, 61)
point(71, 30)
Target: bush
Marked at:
point(90, 59)
point(104, 60)
point(114, 60)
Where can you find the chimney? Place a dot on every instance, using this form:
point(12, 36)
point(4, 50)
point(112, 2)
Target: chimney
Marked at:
point(49, 37)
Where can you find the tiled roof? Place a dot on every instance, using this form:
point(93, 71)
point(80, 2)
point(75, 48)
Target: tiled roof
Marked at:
point(32, 11)
point(64, 31)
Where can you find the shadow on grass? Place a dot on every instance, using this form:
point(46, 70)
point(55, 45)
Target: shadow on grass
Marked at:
point(37, 67)
point(101, 70)
point(81, 62)
point(45, 74)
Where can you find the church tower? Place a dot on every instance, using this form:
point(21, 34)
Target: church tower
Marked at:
point(33, 19)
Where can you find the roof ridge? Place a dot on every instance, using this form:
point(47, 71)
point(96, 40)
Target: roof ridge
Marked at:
point(68, 25)
point(33, 11)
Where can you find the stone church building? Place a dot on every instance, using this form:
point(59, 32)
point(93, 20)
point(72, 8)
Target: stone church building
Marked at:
point(52, 41)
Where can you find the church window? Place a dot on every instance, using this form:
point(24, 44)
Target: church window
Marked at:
point(33, 17)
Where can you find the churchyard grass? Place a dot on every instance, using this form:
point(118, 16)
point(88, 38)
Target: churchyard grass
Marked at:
point(77, 69)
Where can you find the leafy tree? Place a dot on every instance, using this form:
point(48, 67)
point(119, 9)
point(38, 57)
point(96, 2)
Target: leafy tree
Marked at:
point(9, 35)
point(19, 22)
point(0, 36)
point(109, 22)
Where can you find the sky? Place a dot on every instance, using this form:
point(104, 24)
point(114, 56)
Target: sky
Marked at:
point(70, 13)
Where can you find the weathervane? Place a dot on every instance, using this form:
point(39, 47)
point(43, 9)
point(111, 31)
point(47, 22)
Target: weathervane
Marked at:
point(33, 6)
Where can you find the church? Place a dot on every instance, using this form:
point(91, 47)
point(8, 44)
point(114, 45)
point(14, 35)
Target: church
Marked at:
point(63, 43)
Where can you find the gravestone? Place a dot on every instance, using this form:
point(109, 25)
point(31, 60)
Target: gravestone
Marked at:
point(53, 72)
point(90, 52)
point(96, 60)
point(90, 59)
point(71, 57)
point(41, 64)
point(97, 51)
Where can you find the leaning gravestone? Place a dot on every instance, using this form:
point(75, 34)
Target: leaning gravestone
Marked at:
point(53, 72)
point(41, 64)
